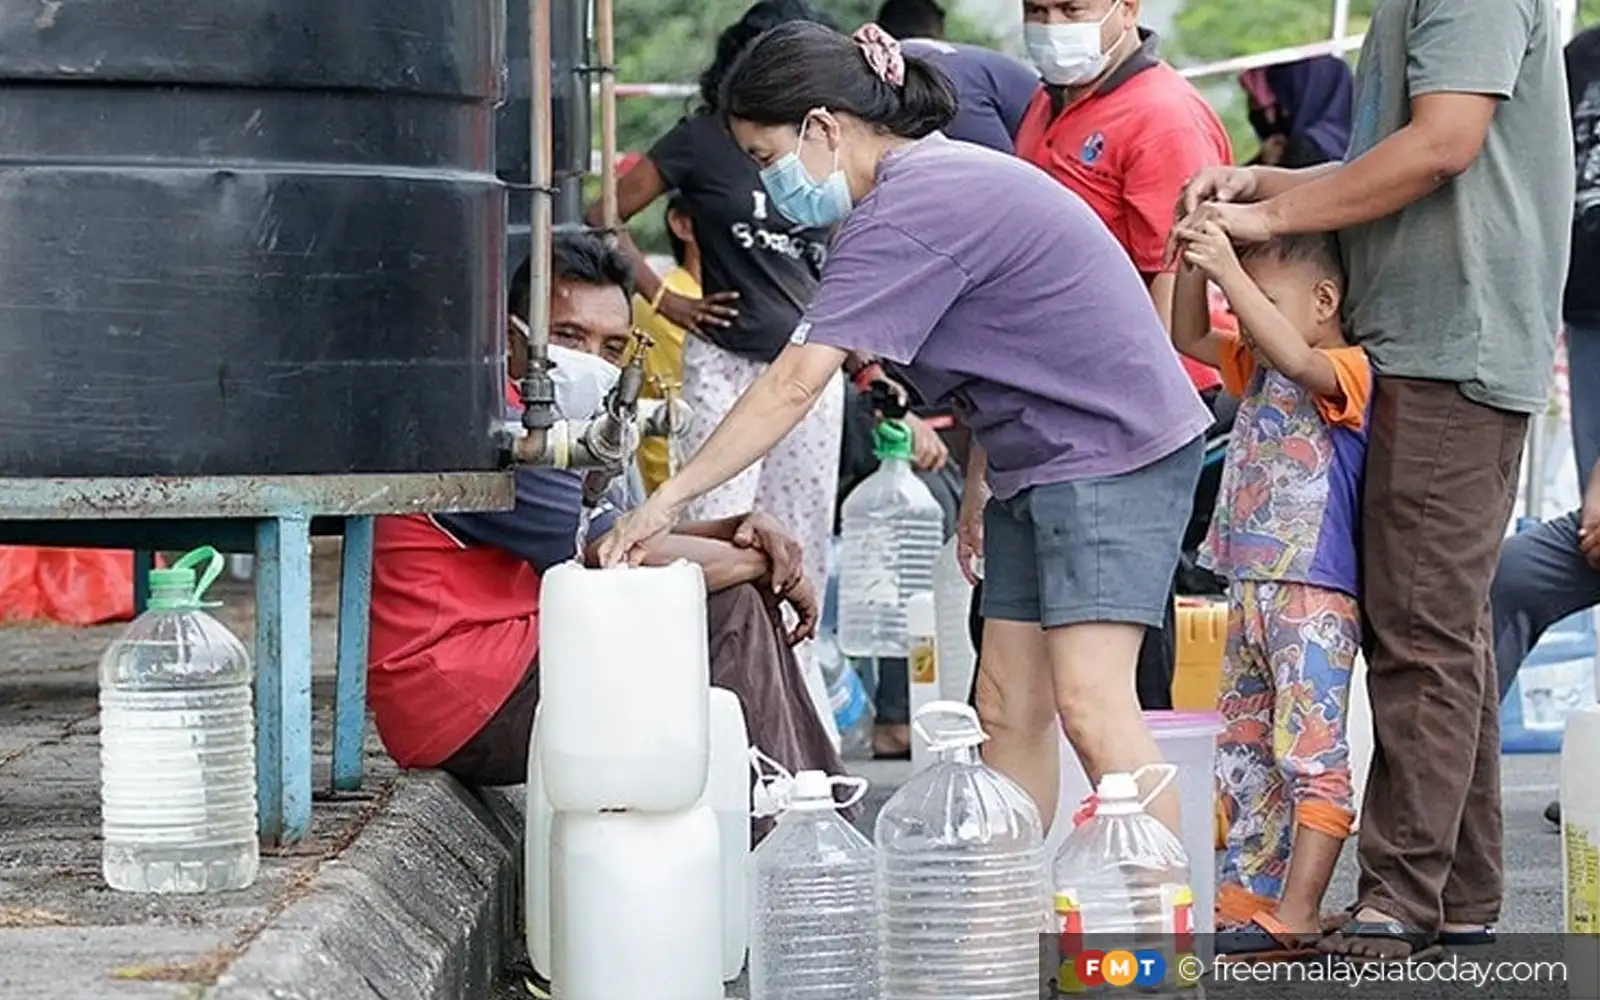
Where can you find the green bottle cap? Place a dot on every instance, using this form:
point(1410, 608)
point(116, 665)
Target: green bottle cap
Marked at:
point(892, 439)
point(175, 588)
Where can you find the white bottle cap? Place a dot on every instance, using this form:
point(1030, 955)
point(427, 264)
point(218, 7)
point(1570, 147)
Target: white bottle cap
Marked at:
point(920, 617)
point(813, 787)
point(1118, 787)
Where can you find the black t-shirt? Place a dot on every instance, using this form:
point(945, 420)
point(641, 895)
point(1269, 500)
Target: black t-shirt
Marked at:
point(1582, 303)
point(745, 245)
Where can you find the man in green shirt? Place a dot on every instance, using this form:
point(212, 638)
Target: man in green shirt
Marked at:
point(1454, 211)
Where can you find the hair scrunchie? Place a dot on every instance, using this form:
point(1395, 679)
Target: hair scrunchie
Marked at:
point(882, 53)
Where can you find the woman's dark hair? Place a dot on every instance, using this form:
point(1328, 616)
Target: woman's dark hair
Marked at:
point(736, 37)
point(796, 68)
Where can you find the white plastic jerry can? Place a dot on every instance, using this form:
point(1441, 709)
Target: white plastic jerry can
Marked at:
point(624, 674)
point(727, 795)
point(923, 666)
point(636, 906)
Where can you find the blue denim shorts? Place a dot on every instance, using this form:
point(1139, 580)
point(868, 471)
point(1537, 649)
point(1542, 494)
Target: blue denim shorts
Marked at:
point(1096, 550)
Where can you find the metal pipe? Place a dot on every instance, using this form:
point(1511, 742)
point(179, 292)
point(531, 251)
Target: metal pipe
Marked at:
point(606, 54)
point(537, 390)
point(1341, 19)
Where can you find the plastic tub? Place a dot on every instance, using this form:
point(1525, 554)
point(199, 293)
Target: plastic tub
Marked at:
point(1189, 741)
point(624, 676)
point(1557, 678)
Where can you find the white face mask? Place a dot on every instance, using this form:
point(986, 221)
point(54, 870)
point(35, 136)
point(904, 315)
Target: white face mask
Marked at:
point(1068, 54)
point(582, 382)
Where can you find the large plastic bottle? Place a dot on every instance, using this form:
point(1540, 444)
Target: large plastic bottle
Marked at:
point(962, 867)
point(1122, 877)
point(814, 900)
point(177, 744)
point(890, 535)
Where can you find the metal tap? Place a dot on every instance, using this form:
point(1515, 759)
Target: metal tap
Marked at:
point(613, 438)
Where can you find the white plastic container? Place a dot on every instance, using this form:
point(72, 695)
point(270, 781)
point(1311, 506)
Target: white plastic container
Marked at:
point(727, 795)
point(1188, 741)
point(952, 599)
point(922, 666)
point(962, 871)
point(814, 900)
point(637, 906)
point(1358, 733)
point(891, 528)
point(177, 744)
point(1580, 822)
point(624, 676)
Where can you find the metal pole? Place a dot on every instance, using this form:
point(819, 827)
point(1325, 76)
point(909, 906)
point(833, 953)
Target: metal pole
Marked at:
point(1341, 19)
point(539, 170)
point(606, 53)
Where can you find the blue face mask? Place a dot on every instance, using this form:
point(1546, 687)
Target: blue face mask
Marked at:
point(801, 200)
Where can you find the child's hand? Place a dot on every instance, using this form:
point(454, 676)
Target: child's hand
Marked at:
point(1209, 249)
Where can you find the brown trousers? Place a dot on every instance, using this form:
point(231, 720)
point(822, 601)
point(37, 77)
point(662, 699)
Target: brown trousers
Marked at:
point(1441, 481)
point(748, 657)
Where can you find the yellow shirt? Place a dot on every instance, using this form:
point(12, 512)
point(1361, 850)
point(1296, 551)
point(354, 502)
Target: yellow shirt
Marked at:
point(663, 364)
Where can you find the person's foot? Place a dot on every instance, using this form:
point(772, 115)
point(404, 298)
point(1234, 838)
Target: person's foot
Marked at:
point(892, 742)
point(1374, 936)
point(1552, 812)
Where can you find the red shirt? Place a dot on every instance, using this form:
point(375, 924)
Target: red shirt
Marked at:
point(1127, 149)
point(454, 629)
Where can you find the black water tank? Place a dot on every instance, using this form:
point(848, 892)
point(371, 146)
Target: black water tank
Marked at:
point(249, 236)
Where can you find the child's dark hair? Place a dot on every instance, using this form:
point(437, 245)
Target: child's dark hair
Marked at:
point(680, 252)
point(737, 37)
point(1318, 250)
point(799, 67)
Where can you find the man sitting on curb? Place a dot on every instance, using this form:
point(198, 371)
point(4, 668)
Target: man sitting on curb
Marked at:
point(453, 675)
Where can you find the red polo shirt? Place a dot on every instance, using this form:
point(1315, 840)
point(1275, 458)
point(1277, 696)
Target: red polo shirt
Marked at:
point(1127, 148)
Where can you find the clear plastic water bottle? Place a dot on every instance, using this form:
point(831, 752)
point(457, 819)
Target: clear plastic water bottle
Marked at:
point(814, 900)
point(890, 535)
point(961, 858)
point(177, 744)
point(1122, 878)
point(847, 696)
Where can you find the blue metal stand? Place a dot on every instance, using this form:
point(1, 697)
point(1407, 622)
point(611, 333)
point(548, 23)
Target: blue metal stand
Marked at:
point(283, 678)
point(350, 691)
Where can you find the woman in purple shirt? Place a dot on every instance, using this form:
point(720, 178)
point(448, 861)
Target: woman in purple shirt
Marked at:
point(1001, 293)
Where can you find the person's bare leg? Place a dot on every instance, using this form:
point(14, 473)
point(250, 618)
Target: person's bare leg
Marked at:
point(1093, 669)
point(1311, 867)
point(1017, 708)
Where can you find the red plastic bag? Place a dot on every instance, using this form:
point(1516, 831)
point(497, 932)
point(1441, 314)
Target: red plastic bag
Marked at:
point(65, 586)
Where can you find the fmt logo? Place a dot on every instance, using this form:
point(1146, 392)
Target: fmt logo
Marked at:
point(1120, 968)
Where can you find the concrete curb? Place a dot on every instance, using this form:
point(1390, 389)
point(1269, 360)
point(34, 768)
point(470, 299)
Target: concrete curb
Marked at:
point(423, 905)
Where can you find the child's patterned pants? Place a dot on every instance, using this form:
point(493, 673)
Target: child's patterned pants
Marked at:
point(1283, 761)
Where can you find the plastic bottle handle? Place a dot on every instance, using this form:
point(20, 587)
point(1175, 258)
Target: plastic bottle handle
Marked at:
point(957, 738)
point(858, 785)
point(215, 563)
point(1170, 774)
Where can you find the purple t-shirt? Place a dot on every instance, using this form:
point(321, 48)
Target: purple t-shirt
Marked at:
point(1002, 293)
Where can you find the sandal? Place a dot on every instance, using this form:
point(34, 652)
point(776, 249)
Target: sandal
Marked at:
point(1265, 939)
point(1467, 939)
point(1419, 945)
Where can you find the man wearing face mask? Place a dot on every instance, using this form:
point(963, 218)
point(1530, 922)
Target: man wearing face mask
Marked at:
point(453, 673)
point(1124, 131)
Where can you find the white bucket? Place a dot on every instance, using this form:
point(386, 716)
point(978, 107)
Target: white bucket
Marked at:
point(1188, 741)
point(637, 906)
point(727, 795)
point(624, 675)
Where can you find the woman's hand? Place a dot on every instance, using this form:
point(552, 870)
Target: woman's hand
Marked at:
point(969, 533)
point(699, 315)
point(631, 536)
point(928, 450)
